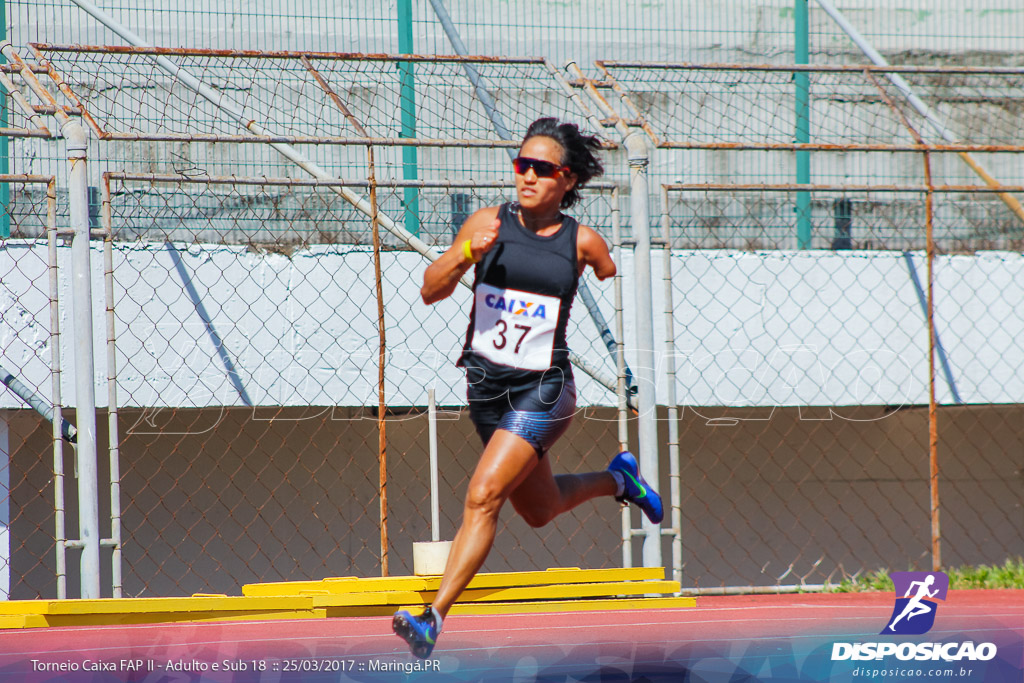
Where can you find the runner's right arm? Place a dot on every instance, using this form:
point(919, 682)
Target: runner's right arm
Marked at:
point(442, 276)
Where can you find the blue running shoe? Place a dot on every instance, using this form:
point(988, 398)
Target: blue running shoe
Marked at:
point(419, 631)
point(638, 491)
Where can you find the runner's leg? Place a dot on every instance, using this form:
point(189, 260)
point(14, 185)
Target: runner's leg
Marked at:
point(506, 462)
point(542, 496)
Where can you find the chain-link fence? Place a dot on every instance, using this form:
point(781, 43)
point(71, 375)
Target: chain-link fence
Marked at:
point(248, 362)
point(256, 397)
point(32, 455)
point(804, 391)
point(264, 405)
point(861, 129)
point(826, 418)
point(941, 31)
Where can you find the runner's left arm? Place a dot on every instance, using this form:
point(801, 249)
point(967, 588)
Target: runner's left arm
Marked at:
point(592, 250)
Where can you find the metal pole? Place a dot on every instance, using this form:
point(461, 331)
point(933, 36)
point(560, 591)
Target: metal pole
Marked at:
point(38, 404)
point(5, 161)
point(382, 442)
point(647, 429)
point(112, 412)
point(933, 429)
point(435, 506)
point(78, 191)
point(802, 80)
point(674, 486)
point(626, 522)
point(474, 76)
point(407, 82)
point(85, 398)
point(635, 143)
point(60, 535)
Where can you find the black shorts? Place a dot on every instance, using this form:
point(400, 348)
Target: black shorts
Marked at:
point(539, 412)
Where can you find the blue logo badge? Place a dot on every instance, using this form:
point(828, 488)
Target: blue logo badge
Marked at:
point(916, 593)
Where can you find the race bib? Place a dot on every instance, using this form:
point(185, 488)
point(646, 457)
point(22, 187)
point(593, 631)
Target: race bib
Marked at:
point(515, 328)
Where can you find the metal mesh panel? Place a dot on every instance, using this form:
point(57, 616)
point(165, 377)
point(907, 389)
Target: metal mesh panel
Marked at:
point(33, 463)
point(813, 444)
point(805, 377)
point(977, 360)
point(247, 365)
point(746, 217)
point(246, 321)
point(980, 32)
point(335, 101)
point(849, 106)
point(853, 130)
point(125, 93)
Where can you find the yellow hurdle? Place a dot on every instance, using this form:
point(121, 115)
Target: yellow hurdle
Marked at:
point(554, 590)
point(349, 584)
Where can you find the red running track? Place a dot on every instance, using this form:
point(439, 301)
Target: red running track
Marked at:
point(764, 633)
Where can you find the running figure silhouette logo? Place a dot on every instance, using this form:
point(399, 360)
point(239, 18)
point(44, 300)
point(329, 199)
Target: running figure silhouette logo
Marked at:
point(914, 612)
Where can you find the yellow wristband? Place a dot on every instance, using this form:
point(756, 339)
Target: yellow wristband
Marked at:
point(467, 251)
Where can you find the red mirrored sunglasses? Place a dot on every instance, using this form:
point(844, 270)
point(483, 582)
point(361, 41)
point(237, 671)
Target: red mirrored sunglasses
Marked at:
point(543, 169)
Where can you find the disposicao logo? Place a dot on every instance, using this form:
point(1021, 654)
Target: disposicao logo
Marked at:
point(914, 613)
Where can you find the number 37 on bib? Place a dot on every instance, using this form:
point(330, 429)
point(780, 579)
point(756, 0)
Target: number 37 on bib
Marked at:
point(514, 328)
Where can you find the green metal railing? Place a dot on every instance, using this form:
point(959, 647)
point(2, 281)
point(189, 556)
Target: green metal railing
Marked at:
point(801, 49)
point(408, 107)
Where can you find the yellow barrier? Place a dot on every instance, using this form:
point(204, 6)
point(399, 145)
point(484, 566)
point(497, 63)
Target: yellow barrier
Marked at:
point(554, 590)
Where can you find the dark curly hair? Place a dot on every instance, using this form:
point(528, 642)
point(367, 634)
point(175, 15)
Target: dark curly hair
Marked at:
point(579, 152)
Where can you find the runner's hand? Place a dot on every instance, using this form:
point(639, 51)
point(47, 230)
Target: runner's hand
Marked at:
point(484, 238)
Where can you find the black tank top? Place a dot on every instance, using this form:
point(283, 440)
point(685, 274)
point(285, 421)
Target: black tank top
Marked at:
point(514, 333)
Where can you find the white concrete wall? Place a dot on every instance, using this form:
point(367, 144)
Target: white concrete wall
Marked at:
point(751, 329)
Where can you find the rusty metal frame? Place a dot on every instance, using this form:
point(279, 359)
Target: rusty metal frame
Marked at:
point(283, 54)
point(795, 187)
point(625, 99)
point(612, 118)
point(363, 138)
point(604, 186)
point(826, 68)
point(832, 147)
point(12, 69)
point(920, 145)
point(50, 105)
point(30, 111)
point(58, 111)
point(28, 179)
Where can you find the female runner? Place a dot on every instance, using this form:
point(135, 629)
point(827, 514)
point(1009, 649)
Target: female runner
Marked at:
point(528, 257)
